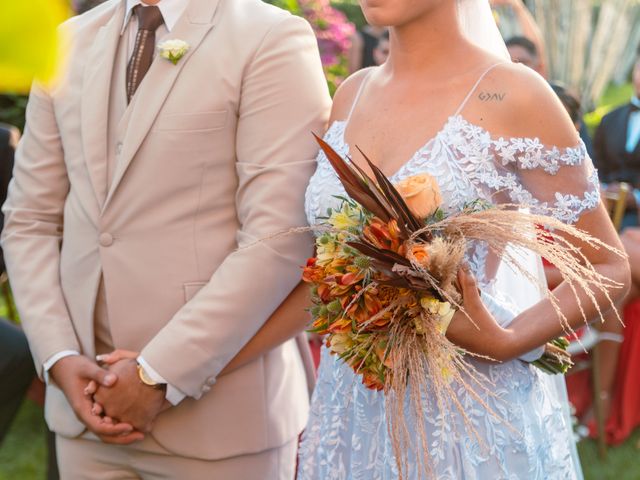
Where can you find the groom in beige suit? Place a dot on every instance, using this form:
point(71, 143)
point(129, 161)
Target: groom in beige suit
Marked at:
point(140, 189)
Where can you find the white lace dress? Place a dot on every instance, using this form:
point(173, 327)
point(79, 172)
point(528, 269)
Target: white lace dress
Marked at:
point(347, 438)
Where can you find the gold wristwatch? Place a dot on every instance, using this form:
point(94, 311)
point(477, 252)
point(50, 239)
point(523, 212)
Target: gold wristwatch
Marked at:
point(147, 380)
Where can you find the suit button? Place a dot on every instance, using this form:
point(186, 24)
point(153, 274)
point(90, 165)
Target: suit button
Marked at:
point(119, 148)
point(106, 239)
point(211, 381)
point(206, 389)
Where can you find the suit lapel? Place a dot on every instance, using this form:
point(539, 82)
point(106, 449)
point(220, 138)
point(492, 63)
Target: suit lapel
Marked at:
point(94, 107)
point(157, 84)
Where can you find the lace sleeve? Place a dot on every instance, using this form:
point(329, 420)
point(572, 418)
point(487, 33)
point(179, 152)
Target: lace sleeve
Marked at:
point(550, 180)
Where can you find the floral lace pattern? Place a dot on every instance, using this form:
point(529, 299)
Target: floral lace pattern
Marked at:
point(347, 438)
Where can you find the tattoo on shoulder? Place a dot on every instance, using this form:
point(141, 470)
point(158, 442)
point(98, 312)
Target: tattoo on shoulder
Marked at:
point(485, 96)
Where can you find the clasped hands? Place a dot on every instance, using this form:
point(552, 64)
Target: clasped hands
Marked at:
point(112, 402)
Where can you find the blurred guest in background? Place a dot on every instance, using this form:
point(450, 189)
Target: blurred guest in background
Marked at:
point(16, 373)
point(363, 44)
point(571, 103)
point(529, 28)
point(610, 332)
point(617, 144)
point(381, 52)
point(16, 366)
point(522, 50)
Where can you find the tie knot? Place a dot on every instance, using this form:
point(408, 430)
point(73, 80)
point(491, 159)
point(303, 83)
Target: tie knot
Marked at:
point(149, 18)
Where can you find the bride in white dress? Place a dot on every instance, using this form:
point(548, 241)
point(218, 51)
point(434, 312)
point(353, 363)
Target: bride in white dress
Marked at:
point(484, 128)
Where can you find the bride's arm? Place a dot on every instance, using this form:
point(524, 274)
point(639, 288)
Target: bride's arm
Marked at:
point(530, 112)
point(289, 319)
point(541, 323)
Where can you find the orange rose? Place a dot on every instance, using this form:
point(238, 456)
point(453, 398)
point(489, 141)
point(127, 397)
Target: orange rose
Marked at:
point(421, 194)
point(421, 253)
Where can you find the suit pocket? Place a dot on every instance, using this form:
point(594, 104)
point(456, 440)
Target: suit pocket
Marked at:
point(192, 121)
point(191, 289)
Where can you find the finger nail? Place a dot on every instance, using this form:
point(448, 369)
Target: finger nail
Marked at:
point(101, 358)
point(109, 379)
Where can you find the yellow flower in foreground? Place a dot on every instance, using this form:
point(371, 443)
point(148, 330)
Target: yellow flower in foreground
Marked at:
point(31, 44)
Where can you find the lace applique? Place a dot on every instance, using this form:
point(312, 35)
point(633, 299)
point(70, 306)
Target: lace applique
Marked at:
point(502, 165)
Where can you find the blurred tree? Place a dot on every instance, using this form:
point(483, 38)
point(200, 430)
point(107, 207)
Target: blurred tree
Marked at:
point(333, 31)
point(589, 43)
point(12, 109)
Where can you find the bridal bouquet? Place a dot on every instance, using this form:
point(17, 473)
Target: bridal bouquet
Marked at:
point(365, 277)
point(384, 286)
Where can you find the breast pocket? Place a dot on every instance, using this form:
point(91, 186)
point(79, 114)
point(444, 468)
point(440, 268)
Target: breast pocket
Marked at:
point(205, 121)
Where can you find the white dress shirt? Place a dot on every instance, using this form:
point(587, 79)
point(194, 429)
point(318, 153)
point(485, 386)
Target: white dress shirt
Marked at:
point(171, 11)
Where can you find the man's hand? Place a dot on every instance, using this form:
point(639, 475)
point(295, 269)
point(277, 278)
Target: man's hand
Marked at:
point(129, 400)
point(71, 374)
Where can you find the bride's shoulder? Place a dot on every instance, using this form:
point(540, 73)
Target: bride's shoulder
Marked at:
point(520, 103)
point(346, 94)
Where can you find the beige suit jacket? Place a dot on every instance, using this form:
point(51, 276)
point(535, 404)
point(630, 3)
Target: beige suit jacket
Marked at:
point(213, 154)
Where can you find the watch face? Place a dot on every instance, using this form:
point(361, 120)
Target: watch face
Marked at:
point(145, 377)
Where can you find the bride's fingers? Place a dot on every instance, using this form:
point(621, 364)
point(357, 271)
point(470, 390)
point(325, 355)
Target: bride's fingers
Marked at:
point(469, 286)
point(91, 388)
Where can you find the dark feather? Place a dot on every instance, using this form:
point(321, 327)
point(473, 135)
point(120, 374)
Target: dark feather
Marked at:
point(402, 211)
point(355, 186)
point(393, 195)
point(379, 253)
point(375, 191)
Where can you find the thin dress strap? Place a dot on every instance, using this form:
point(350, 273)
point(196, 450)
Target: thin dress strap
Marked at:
point(475, 87)
point(358, 95)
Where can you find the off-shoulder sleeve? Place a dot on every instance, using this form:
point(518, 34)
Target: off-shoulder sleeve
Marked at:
point(561, 182)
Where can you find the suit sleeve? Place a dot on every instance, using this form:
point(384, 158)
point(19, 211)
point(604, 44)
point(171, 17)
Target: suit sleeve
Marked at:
point(284, 98)
point(32, 233)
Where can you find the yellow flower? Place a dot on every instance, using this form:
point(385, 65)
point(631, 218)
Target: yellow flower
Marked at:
point(446, 313)
point(430, 304)
point(343, 221)
point(442, 310)
point(421, 194)
point(340, 343)
point(325, 252)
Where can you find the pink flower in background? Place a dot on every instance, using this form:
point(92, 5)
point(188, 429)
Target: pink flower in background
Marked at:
point(332, 29)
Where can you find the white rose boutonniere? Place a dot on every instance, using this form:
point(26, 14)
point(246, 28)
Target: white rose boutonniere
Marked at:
point(173, 50)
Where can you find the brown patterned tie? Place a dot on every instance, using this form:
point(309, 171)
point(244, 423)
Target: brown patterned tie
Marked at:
point(149, 19)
